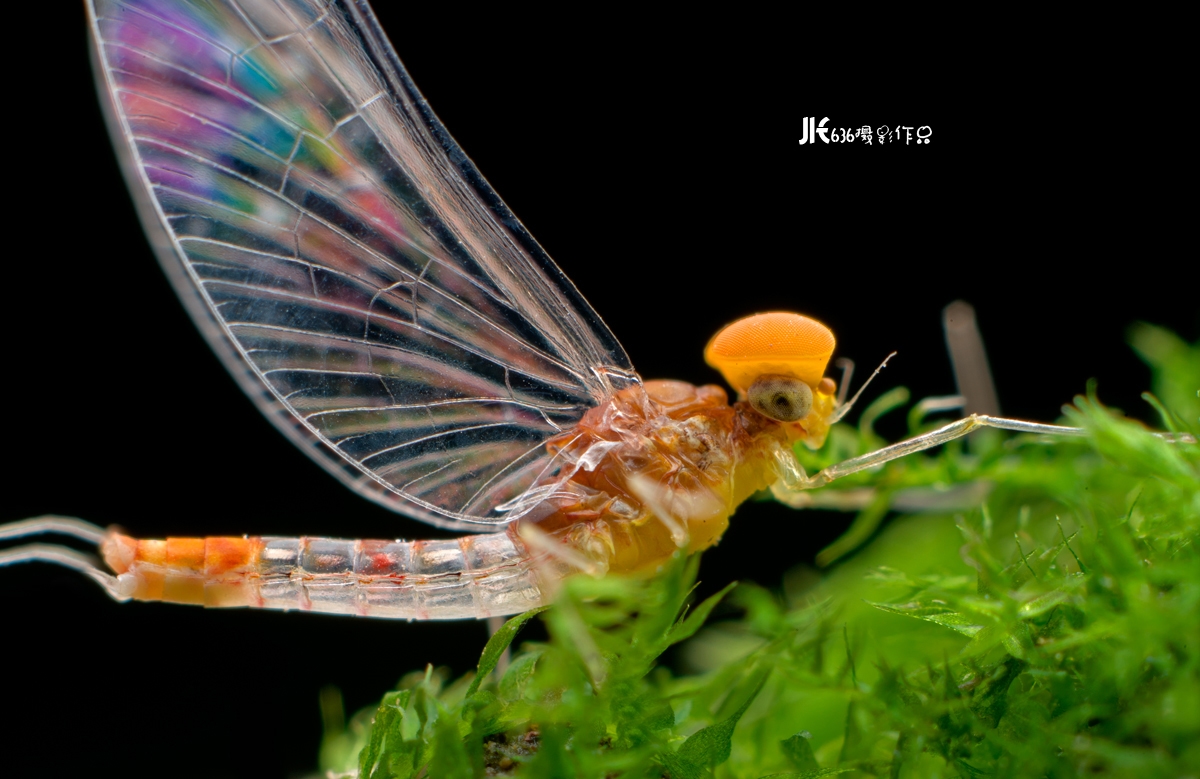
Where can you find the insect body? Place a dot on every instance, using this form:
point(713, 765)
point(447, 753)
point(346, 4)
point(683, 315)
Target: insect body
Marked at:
point(389, 314)
point(659, 467)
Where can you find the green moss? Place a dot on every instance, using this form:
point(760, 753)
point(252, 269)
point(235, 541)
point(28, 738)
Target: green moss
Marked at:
point(1052, 631)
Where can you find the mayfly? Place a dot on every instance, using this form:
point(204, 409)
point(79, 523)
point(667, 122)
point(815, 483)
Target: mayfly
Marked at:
point(388, 313)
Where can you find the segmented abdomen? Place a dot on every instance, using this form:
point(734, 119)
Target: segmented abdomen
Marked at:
point(473, 576)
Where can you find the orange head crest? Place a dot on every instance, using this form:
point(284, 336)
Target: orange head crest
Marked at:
point(776, 343)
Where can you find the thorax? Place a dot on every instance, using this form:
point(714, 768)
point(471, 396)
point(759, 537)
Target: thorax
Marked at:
point(660, 467)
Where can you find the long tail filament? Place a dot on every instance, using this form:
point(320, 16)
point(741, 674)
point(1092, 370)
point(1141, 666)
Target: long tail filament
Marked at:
point(86, 564)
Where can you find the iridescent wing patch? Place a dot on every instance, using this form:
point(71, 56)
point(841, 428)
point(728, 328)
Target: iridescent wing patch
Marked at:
point(347, 261)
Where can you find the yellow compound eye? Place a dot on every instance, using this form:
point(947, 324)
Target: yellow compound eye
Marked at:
point(781, 398)
point(777, 343)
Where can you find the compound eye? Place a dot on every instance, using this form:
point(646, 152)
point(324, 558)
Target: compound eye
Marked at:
point(782, 398)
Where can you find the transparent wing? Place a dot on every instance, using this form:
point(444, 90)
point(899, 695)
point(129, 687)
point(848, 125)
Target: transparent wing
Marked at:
point(351, 266)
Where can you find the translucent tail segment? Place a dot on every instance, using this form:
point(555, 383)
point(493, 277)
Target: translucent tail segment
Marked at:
point(470, 577)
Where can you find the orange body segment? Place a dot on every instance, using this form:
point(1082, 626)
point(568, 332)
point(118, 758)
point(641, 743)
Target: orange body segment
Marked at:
point(185, 554)
point(204, 571)
point(229, 555)
point(151, 561)
point(150, 552)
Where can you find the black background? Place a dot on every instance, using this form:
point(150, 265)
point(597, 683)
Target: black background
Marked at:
point(659, 165)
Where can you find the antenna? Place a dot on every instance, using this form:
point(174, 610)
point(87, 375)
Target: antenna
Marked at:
point(843, 410)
